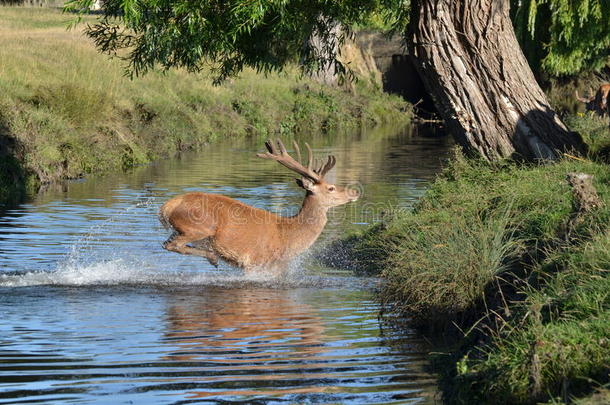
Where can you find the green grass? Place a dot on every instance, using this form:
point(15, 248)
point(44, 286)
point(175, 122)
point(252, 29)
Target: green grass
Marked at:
point(595, 133)
point(556, 343)
point(68, 111)
point(488, 259)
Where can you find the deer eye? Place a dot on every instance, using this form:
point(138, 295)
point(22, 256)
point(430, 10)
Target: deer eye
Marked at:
point(331, 188)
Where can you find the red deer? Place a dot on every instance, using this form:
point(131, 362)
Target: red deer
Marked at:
point(598, 103)
point(218, 227)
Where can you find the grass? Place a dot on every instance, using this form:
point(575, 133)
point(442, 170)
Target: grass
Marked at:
point(556, 343)
point(491, 259)
point(595, 134)
point(67, 111)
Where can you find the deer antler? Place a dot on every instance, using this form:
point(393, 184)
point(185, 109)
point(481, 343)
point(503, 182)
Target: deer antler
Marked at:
point(279, 154)
point(325, 168)
point(582, 99)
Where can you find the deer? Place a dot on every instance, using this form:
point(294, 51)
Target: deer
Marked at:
point(599, 103)
point(217, 227)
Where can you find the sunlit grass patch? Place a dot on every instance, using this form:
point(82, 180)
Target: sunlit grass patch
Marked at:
point(37, 18)
point(72, 111)
point(595, 132)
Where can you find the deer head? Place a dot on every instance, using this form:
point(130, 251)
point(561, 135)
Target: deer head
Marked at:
point(588, 101)
point(584, 99)
point(312, 176)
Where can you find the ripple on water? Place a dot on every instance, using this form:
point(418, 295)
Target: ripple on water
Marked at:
point(202, 343)
point(93, 310)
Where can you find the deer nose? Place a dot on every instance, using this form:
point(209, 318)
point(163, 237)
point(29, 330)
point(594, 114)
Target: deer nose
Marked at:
point(353, 193)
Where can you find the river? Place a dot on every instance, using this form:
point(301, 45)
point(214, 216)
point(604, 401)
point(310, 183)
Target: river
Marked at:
point(93, 310)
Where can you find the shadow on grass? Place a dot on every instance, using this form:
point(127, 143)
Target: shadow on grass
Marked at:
point(12, 173)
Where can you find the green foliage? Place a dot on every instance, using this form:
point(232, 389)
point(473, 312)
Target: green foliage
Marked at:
point(79, 106)
point(85, 117)
point(230, 35)
point(559, 37)
point(558, 335)
point(469, 228)
point(389, 17)
point(426, 258)
point(564, 37)
point(595, 133)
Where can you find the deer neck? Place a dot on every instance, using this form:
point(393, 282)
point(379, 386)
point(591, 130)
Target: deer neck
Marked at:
point(312, 213)
point(304, 228)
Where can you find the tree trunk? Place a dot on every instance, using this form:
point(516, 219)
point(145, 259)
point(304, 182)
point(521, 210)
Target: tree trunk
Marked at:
point(323, 46)
point(468, 56)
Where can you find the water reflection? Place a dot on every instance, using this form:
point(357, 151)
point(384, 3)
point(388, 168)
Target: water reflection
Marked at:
point(244, 325)
point(158, 345)
point(264, 342)
point(261, 344)
point(93, 310)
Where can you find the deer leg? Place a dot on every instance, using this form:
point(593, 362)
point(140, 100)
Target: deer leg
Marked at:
point(204, 245)
point(177, 243)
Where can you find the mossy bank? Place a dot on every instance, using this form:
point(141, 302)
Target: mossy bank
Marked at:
point(67, 111)
point(499, 261)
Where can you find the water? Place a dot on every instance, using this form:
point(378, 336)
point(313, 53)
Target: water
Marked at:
point(93, 310)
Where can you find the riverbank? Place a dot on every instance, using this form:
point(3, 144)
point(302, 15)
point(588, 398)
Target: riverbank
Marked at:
point(508, 267)
point(67, 111)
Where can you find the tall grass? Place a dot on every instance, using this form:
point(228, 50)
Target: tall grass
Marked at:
point(595, 133)
point(491, 257)
point(474, 223)
point(556, 345)
point(70, 111)
point(425, 256)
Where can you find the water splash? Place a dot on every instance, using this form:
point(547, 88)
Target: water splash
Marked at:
point(85, 264)
point(82, 251)
point(124, 272)
point(82, 266)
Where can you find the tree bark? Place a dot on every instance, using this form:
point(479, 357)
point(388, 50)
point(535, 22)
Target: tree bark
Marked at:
point(468, 57)
point(323, 45)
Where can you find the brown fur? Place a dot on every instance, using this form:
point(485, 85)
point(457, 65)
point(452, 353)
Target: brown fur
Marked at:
point(218, 227)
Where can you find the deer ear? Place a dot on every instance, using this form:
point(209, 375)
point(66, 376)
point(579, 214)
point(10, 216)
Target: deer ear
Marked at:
point(305, 183)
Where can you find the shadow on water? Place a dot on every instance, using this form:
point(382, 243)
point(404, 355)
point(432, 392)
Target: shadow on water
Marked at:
point(93, 308)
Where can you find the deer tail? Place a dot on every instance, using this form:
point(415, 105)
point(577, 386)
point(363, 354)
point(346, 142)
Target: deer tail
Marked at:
point(163, 216)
